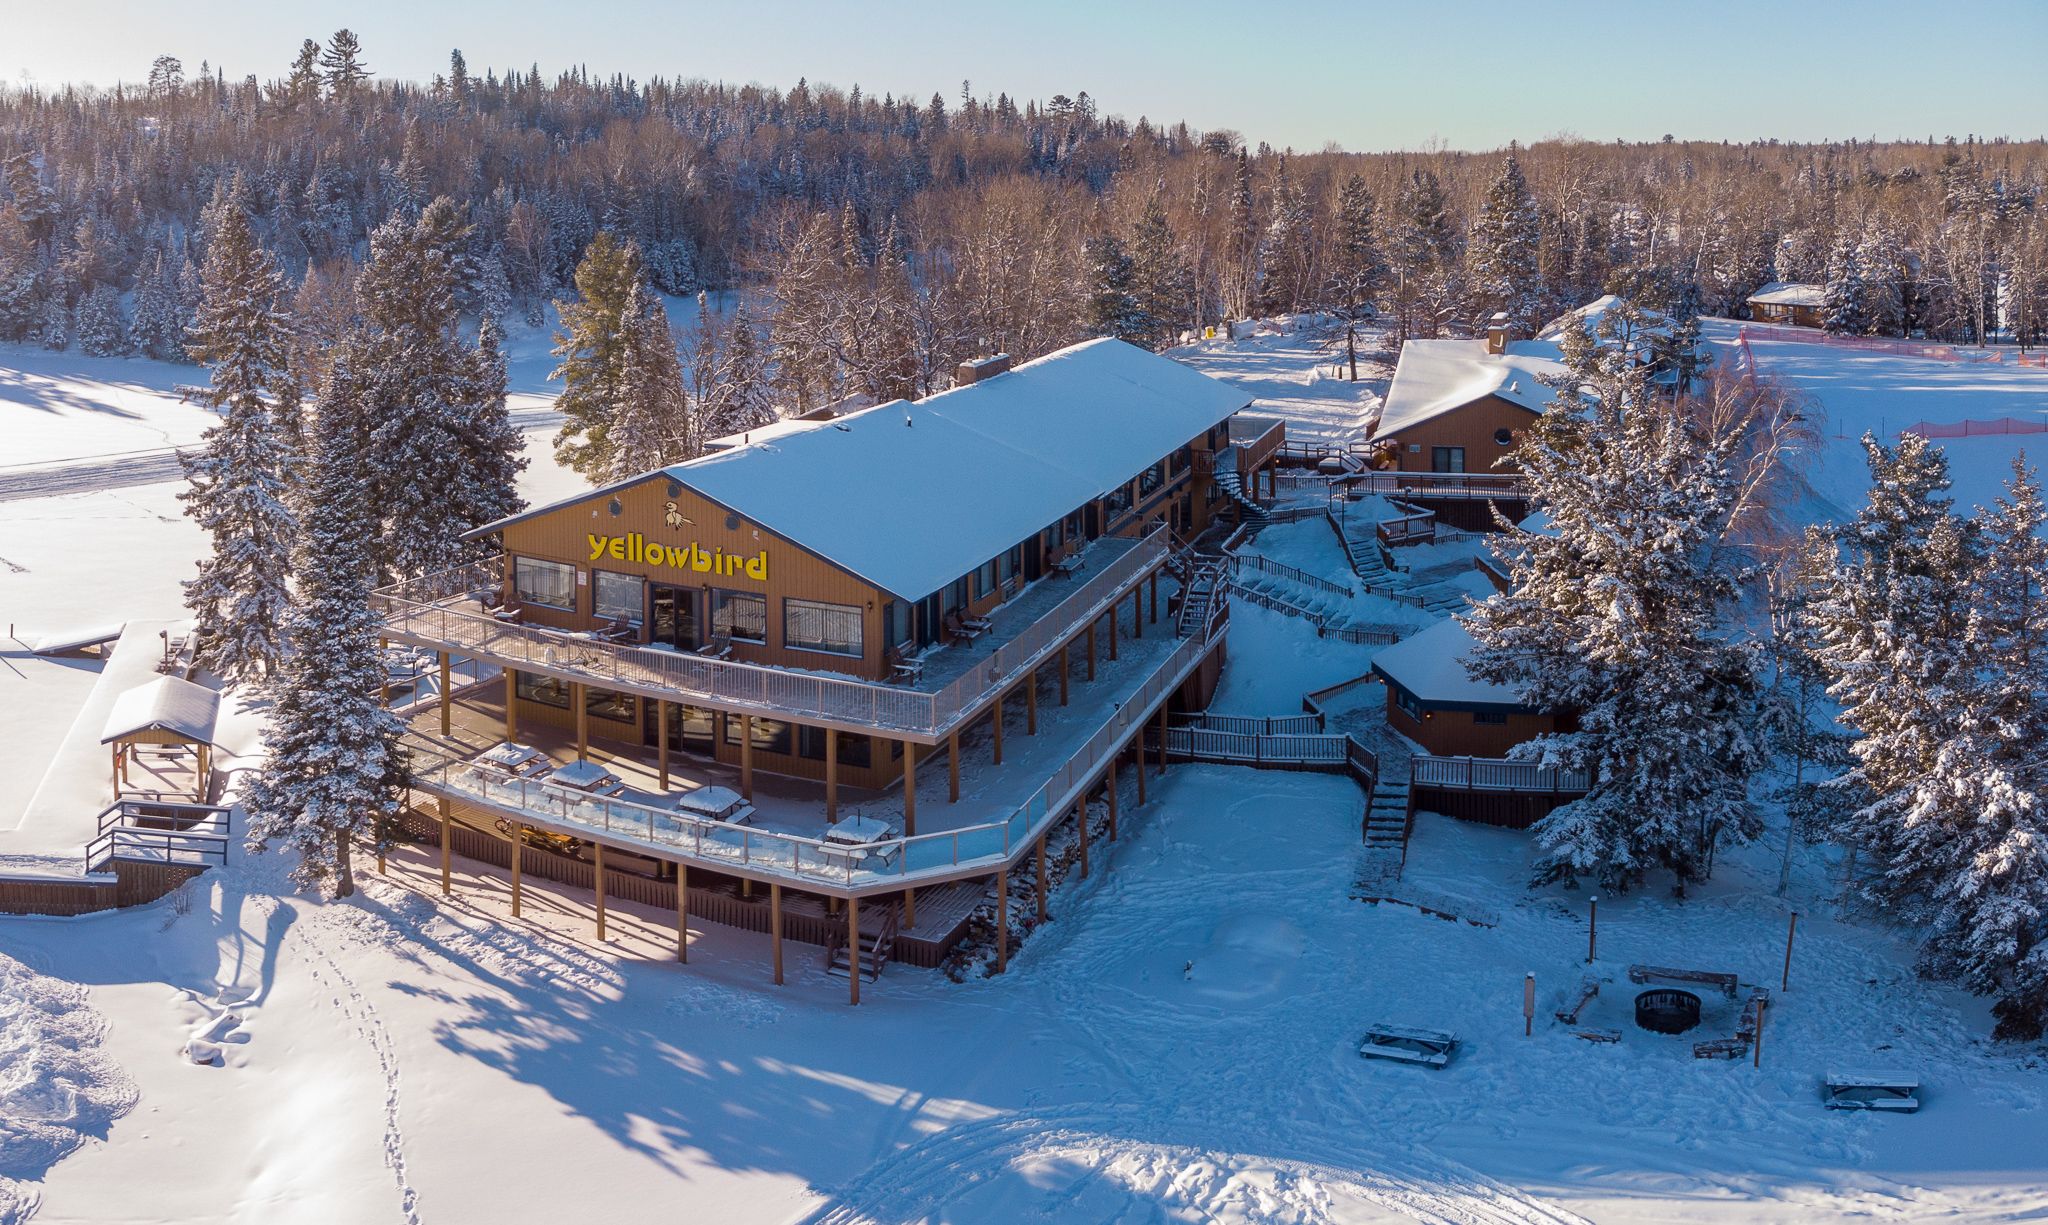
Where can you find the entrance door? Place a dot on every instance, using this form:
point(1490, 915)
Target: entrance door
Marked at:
point(1034, 558)
point(674, 617)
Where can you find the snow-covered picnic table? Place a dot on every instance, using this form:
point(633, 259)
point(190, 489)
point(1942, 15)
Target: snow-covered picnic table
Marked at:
point(586, 776)
point(1870, 1089)
point(514, 758)
point(853, 839)
point(716, 804)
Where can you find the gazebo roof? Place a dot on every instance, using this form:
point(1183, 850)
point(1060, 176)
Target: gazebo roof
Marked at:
point(166, 704)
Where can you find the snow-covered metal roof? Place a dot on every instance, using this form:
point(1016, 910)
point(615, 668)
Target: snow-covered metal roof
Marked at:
point(1434, 377)
point(1790, 293)
point(1431, 665)
point(911, 496)
point(166, 704)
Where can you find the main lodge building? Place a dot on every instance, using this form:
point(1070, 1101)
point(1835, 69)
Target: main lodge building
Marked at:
point(832, 604)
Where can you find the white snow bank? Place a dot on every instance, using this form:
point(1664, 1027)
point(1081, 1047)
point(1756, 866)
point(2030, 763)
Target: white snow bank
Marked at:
point(56, 1087)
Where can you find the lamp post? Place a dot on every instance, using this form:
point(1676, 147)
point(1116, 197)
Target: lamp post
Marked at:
point(1592, 930)
point(1529, 1003)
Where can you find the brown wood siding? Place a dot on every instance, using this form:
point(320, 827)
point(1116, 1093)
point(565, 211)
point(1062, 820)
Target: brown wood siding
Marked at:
point(1472, 427)
point(1456, 733)
point(793, 572)
point(629, 739)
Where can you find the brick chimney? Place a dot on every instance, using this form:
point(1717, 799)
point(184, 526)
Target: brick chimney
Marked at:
point(976, 369)
point(1498, 333)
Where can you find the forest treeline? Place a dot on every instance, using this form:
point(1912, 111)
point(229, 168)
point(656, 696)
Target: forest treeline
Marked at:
point(901, 234)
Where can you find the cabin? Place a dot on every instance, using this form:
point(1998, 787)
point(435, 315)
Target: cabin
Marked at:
point(1434, 701)
point(1458, 405)
point(1790, 302)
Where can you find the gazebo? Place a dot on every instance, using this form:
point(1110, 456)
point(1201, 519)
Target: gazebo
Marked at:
point(159, 726)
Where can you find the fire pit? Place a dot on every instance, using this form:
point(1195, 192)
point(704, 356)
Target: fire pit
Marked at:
point(1667, 1010)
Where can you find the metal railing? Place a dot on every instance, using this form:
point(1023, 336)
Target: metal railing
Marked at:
point(892, 863)
point(1494, 774)
point(1255, 725)
point(174, 846)
point(1266, 565)
point(1441, 484)
point(420, 610)
point(1258, 441)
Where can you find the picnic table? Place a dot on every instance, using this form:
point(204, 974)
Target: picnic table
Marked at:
point(586, 776)
point(1432, 1048)
point(1070, 564)
point(1898, 1092)
point(1724, 983)
point(853, 840)
point(715, 804)
point(513, 758)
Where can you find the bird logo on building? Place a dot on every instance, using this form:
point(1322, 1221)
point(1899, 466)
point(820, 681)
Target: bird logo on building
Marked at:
point(673, 517)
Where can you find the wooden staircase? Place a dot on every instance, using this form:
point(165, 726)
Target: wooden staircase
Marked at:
point(876, 944)
point(1388, 821)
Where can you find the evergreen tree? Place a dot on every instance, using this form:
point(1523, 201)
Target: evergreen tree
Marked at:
point(239, 475)
point(1111, 309)
point(1162, 285)
point(591, 346)
point(160, 323)
point(740, 396)
point(1848, 306)
point(493, 449)
point(1357, 268)
point(335, 766)
point(1287, 254)
point(302, 84)
point(20, 289)
point(1423, 253)
point(1503, 251)
point(342, 68)
point(1623, 614)
point(101, 326)
point(654, 426)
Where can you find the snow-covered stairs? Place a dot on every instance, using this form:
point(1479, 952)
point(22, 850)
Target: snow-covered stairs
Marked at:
point(1386, 829)
point(1442, 598)
point(875, 947)
point(1232, 484)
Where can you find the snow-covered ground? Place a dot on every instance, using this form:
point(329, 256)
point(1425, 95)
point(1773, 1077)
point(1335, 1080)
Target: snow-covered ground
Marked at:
point(1179, 1044)
point(1290, 368)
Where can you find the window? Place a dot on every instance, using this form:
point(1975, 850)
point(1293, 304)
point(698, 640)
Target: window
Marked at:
point(770, 735)
point(550, 584)
point(545, 690)
point(1493, 718)
point(896, 624)
point(810, 626)
point(1152, 478)
point(606, 704)
point(1504, 437)
point(985, 580)
point(619, 597)
point(1447, 459)
point(1406, 701)
point(740, 615)
point(1118, 501)
point(854, 750)
point(698, 728)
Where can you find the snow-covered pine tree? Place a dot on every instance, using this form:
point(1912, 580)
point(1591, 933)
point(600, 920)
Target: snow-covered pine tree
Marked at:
point(493, 448)
point(159, 327)
point(335, 766)
point(591, 346)
point(1622, 614)
point(741, 398)
point(20, 307)
point(1161, 283)
point(493, 288)
point(240, 473)
point(806, 333)
point(653, 428)
point(1287, 251)
point(1847, 302)
point(1503, 249)
point(1357, 267)
point(1110, 308)
point(101, 326)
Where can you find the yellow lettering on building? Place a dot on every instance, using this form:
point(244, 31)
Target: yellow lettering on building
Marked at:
point(633, 547)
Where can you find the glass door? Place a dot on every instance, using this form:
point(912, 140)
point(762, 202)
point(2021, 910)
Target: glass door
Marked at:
point(674, 620)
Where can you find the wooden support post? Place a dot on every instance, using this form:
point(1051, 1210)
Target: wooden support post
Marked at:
point(1002, 920)
point(910, 908)
point(1091, 650)
point(518, 841)
point(1113, 631)
point(1042, 914)
point(1111, 789)
point(953, 768)
point(1785, 984)
point(683, 912)
point(1162, 737)
point(447, 703)
point(661, 741)
point(446, 887)
point(1063, 674)
point(1031, 703)
point(1137, 612)
point(1081, 819)
point(598, 881)
point(1155, 597)
point(831, 774)
point(853, 948)
point(511, 704)
point(576, 697)
point(909, 788)
point(747, 758)
point(1757, 1051)
point(775, 927)
point(1138, 751)
point(996, 723)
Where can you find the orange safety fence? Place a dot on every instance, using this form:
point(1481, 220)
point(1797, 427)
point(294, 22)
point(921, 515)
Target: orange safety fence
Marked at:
point(1975, 429)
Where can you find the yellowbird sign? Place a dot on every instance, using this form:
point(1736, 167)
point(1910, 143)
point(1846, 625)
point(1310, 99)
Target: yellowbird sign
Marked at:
point(634, 547)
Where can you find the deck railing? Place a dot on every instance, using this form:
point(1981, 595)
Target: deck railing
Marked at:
point(1494, 774)
point(1257, 439)
point(1293, 574)
point(421, 610)
point(1509, 485)
point(893, 863)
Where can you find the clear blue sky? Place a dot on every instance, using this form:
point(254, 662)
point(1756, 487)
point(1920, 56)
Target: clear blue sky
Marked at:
point(1462, 73)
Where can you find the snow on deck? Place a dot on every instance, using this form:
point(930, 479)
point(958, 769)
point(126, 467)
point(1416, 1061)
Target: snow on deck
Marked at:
point(1291, 373)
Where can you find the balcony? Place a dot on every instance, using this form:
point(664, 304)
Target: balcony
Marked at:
point(445, 612)
point(997, 820)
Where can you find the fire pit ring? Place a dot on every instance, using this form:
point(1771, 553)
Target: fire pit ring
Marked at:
point(1667, 1010)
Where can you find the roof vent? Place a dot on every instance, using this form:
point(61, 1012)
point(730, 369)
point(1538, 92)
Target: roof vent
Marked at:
point(976, 369)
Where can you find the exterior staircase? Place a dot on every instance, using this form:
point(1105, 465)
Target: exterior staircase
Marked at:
point(1231, 482)
point(875, 947)
point(1387, 824)
point(1203, 583)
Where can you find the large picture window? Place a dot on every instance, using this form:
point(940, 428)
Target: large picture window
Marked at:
point(811, 626)
point(854, 750)
point(740, 615)
point(608, 704)
point(1118, 501)
point(770, 735)
point(550, 584)
point(1447, 459)
point(545, 690)
point(620, 597)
